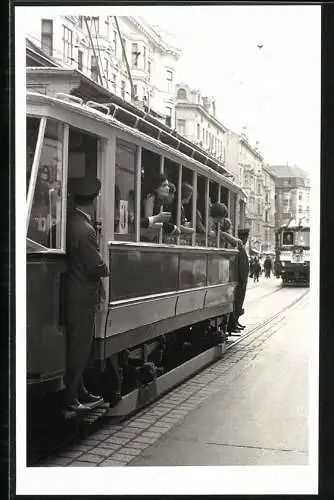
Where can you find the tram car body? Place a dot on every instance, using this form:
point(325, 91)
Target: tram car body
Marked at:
point(294, 254)
point(162, 298)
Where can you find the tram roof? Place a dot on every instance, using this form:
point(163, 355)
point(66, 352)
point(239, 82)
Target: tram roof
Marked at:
point(89, 109)
point(85, 88)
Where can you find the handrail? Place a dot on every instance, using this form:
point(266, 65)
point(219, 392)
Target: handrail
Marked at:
point(97, 105)
point(62, 95)
point(170, 247)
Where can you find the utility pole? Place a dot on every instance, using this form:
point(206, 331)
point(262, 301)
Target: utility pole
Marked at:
point(126, 61)
point(94, 52)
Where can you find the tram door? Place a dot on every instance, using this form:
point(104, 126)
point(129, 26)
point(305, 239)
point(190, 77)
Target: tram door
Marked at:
point(85, 160)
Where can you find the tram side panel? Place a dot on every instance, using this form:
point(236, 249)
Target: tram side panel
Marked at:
point(157, 290)
point(46, 343)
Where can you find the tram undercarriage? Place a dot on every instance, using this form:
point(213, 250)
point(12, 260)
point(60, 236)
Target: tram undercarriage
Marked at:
point(138, 369)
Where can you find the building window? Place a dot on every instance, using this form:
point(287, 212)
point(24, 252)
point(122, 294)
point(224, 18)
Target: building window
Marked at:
point(181, 94)
point(114, 41)
point(135, 55)
point(169, 116)
point(80, 21)
point(169, 80)
point(181, 126)
point(300, 196)
point(123, 89)
point(144, 57)
point(124, 51)
point(203, 135)
point(106, 71)
point(47, 36)
point(114, 83)
point(93, 68)
point(67, 44)
point(96, 23)
point(198, 131)
point(207, 137)
point(80, 60)
point(149, 70)
point(135, 91)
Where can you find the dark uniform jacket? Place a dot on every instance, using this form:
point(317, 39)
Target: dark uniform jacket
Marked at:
point(243, 265)
point(85, 267)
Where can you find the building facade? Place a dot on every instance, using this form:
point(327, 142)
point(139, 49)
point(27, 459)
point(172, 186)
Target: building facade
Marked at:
point(292, 194)
point(269, 211)
point(101, 48)
point(195, 118)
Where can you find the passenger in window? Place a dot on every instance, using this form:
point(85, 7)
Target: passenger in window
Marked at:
point(157, 194)
point(82, 290)
point(186, 195)
point(217, 215)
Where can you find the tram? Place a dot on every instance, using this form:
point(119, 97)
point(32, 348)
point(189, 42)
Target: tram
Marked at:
point(293, 248)
point(166, 301)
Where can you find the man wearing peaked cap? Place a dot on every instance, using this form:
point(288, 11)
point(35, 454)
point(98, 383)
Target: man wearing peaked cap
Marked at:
point(243, 272)
point(82, 284)
point(87, 187)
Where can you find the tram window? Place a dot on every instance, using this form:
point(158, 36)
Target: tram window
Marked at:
point(232, 211)
point(46, 212)
point(201, 221)
point(171, 171)
point(186, 218)
point(82, 154)
point(150, 180)
point(212, 230)
point(32, 134)
point(125, 202)
point(288, 238)
point(224, 195)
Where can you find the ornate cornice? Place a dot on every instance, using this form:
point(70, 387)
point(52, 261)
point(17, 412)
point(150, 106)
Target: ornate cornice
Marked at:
point(154, 37)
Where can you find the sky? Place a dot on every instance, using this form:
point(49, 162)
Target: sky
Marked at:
point(273, 91)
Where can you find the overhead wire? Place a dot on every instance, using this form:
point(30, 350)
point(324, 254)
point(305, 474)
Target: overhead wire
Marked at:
point(74, 60)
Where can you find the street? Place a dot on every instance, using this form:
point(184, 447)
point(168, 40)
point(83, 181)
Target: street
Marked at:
point(249, 408)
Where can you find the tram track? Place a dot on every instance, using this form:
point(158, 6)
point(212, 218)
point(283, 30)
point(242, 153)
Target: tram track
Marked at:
point(267, 321)
point(240, 345)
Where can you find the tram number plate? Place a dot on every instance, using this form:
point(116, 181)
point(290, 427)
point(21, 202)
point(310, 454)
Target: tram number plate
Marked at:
point(296, 258)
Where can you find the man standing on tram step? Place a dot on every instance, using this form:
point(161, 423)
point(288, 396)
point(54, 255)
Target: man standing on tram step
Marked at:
point(82, 287)
point(243, 270)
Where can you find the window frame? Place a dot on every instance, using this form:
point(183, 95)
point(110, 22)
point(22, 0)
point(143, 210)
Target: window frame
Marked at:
point(170, 80)
point(67, 43)
point(33, 179)
point(134, 55)
point(48, 35)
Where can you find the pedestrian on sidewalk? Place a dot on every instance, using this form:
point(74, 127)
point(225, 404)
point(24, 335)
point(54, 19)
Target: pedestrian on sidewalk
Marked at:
point(256, 270)
point(267, 267)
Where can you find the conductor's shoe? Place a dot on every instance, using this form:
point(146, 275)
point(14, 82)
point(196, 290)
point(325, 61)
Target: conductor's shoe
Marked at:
point(236, 330)
point(76, 405)
point(240, 326)
point(91, 401)
point(91, 398)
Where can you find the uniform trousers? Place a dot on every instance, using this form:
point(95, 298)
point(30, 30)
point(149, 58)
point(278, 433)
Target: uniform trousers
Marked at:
point(79, 334)
point(239, 297)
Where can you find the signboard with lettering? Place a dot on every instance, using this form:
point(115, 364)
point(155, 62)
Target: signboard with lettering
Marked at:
point(123, 217)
